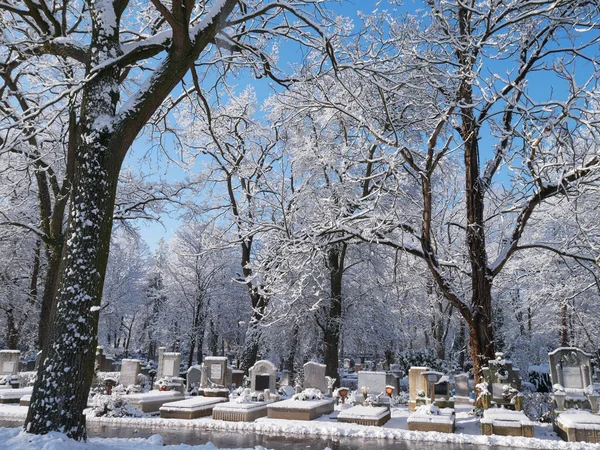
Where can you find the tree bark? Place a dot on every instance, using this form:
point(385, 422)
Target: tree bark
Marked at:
point(336, 256)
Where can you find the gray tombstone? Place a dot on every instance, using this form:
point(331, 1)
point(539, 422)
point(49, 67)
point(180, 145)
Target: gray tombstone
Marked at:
point(194, 378)
point(285, 379)
point(314, 376)
point(9, 362)
point(215, 373)
point(130, 369)
point(571, 373)
point(263, 375)
point(462, 392)
point(377, 381)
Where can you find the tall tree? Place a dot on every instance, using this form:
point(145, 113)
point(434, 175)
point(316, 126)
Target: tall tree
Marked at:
point(113, 50)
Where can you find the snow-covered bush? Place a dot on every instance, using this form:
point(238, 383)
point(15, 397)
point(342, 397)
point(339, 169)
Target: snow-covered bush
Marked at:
point(113, 405)
point(537, 406)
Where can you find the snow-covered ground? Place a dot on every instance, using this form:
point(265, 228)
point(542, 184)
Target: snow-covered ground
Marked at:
point(467, 432)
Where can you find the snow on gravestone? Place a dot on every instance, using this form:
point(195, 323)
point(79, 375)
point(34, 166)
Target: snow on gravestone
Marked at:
point(9, 362)
point(130, 369)
point(263, 375)
point(314, 376)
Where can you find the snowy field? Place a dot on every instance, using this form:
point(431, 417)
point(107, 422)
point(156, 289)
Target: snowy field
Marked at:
point(467, 432)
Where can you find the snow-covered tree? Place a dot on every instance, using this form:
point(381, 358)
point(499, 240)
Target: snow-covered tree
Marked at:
point(127, 57)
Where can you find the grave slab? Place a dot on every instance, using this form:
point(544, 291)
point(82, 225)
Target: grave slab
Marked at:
point(365, 415)
point(578, 426)
point(505, 422)
point(420, 420)
point(152, 401)
point(190, 408)
point(240, 412)
point(14, 395)
point(299, 409)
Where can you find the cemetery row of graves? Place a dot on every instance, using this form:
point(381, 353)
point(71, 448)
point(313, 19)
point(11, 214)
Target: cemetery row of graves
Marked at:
point(367, 395)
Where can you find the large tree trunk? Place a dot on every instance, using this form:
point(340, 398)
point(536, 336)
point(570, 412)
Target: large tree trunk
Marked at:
point(253, 334)
point(336, 256)
point(67, 364)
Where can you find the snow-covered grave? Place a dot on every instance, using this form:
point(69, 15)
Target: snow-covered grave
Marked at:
point(505, 422)
point(577, 426)
point(190, 408)
point(14, 395)
point(152, 401)
point(25, 400)
point(365, 415)
point(298, 409)
point(431, 418)
point(240, 412)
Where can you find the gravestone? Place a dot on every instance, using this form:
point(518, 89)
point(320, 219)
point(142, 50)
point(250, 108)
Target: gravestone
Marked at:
point(347, 363)
point(9, 362)
point(462, 392)
point(357, 367)
point(263, 375)
point(168, 363)
point(395, 369)
point(285, 379)
point(105, 363)
point(193, 378)
point(130, 369)
point(416, 382)
point(377, 381)
point(237, 377)
point(215, 373)
point(571, 373)
point(504, 383)
point(314, 376)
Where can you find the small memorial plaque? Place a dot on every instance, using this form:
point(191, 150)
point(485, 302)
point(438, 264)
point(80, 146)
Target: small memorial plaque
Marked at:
point(262, 382)
point(497, 390)
point(216, 372)
point(8, 366)
point(572, 377)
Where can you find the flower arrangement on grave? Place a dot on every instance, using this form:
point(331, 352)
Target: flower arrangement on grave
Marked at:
point(365, 391)
point(308, 394)
point(420, 393)
point(509, 393)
